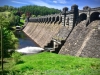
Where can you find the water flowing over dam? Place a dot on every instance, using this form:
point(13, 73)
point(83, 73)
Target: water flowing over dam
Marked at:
point(75, 32)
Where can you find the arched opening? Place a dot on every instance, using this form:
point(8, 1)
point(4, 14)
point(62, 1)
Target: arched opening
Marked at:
point(95, 16)
point(82, 17)
point(37, 20)
point(53, 19)
point(49, 19)
point(45, 19)
point(42, 20)
point(57, 18)
point(60, 20)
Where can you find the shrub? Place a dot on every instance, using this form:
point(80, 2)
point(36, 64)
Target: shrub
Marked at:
point(16, 57)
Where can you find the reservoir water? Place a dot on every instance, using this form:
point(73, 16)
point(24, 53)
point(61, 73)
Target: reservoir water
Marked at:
point(24, 40)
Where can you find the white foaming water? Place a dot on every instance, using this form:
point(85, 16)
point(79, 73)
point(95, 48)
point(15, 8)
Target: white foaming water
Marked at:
point(30, 50)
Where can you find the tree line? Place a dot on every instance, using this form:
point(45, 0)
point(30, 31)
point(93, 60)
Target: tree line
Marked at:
point(39, 10)
point(32, 9)
point(7, 8)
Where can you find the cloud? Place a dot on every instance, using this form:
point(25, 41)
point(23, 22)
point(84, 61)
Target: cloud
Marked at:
point(47, 3)
point(63, 1)
point(55, 2)
point(19, 2)
point(60, 1)
point(39, 2)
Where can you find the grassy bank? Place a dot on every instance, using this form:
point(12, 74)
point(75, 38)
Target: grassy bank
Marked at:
point(53, 64)
point(22, 21)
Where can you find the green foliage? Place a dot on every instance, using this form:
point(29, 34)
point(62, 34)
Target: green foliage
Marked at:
point(55, 64)
point(9, 39)
point(16, 57)
point(7, 8)
point(14, 20)
point(38, 10)
point(33, 9)
point(17, 20)
point(33, 16)
point(23, 16)
point(38, 15)
point(22, 21)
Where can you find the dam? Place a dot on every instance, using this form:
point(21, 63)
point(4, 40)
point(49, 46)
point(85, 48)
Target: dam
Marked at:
point(75, 32)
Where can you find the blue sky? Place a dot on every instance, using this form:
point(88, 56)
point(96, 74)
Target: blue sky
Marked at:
point(58, 4)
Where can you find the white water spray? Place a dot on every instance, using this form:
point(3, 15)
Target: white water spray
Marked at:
point(30, 50)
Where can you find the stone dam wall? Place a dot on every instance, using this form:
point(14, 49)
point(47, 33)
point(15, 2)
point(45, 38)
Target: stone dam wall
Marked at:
point(83, 41)
point(41, 33)
point(75, 32)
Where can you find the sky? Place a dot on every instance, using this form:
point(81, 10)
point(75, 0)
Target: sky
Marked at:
point(57, 4)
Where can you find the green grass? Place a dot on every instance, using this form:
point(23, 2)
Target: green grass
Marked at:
point(21, 22)
point(55, 64)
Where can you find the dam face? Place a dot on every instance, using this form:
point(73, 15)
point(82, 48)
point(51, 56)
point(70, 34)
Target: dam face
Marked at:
point(75, 32)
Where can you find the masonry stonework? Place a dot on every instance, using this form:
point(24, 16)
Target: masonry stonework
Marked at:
point(75, 32)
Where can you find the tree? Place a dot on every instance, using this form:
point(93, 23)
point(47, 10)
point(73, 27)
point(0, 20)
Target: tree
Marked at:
point(12, 20)
point(6, 7)
point(17, 20)
point(8, 37)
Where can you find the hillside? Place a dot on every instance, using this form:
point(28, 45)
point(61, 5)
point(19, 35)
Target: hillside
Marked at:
point(33, 9)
